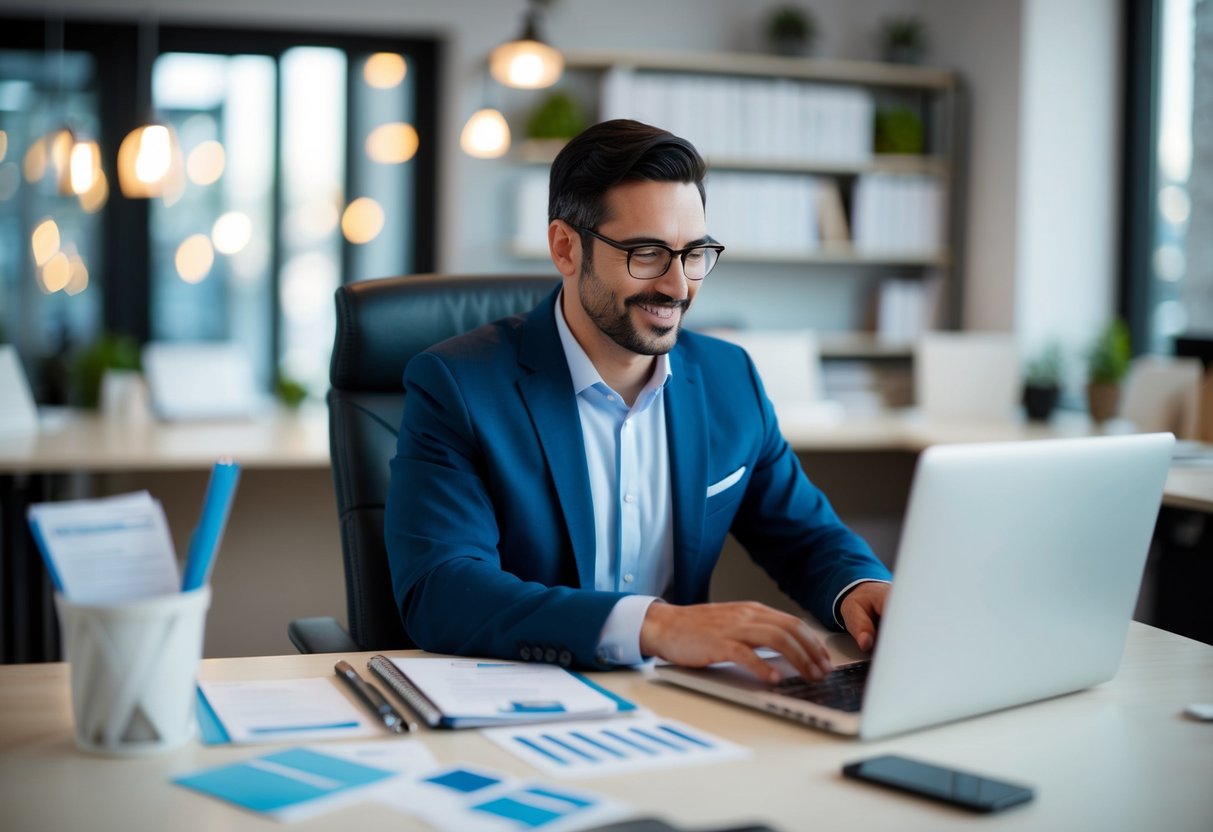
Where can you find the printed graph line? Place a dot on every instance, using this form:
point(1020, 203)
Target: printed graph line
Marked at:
point(669, 729)
point(658, 740)
point(632, 743)
point(585, 755)
point(600, 745)
point(534, 746)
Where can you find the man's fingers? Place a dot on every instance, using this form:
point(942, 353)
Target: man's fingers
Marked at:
point(803, 654)
point(860, 625)
point(746, 657)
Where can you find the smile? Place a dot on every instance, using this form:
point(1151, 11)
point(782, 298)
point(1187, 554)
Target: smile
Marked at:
point(663, 312)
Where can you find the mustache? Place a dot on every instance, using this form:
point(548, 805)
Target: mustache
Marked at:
point(656, 299)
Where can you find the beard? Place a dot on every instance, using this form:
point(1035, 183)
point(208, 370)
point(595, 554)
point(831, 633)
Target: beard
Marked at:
point(614, 318)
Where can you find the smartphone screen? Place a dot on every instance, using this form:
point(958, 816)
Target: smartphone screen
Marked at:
point(979, 794)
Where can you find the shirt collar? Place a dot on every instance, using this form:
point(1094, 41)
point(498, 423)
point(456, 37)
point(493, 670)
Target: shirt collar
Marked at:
point(582, 370)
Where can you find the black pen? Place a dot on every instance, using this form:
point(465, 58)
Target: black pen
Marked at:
point(370, 696)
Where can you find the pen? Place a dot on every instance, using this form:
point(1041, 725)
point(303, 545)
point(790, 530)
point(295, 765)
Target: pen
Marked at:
point(370, 696)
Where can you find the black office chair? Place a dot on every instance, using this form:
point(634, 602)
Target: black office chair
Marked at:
point(381, 324)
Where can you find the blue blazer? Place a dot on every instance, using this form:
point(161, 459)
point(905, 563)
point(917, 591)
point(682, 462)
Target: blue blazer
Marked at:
point(489, 521)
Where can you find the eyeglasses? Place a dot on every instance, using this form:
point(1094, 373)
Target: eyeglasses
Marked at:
point(649, 261)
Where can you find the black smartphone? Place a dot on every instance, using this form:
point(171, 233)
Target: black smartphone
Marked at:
point(960, 788)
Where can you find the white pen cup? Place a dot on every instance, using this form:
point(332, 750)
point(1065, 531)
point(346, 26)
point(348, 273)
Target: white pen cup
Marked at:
point(134, 670)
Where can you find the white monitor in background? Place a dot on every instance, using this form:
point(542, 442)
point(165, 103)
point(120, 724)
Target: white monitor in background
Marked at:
point(789, 364)
point(973, 375)
point(18, 415)
point(199, 381)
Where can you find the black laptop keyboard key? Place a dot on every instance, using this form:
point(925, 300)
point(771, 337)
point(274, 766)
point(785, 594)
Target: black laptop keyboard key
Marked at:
point(842, 689)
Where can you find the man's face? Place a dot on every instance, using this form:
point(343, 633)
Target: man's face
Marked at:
point(642, 316)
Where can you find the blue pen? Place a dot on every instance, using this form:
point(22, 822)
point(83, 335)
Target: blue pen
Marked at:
point(204, 542)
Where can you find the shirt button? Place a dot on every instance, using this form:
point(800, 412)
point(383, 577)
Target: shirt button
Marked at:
point(610, 398)
point(629, 498)
point(627, 579)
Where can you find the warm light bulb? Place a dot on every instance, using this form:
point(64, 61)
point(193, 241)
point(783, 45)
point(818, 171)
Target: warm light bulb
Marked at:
point(392, 144)
point(526, 64)
point(362, 220)
point(486, 135)
point(194, 258)
point(56, 273)
point(150, 163)
point(84, 165)
point(155, 154)
point(45, 241)
point(384, 70)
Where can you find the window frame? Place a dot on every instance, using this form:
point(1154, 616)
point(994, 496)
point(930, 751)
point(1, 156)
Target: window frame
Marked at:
point(126, 288)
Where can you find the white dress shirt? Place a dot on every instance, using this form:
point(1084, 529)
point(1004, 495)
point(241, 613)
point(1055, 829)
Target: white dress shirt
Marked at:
point(628, 460)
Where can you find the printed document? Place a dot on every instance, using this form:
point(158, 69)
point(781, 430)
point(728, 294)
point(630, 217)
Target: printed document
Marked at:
point(106, 550)
point(286, 710)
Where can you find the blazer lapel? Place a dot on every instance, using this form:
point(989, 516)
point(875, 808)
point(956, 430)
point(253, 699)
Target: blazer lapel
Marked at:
point(548, 394)
point(686, 429)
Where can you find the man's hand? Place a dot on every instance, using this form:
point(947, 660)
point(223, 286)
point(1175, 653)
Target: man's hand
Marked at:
point(702, 634)
point(861, 610)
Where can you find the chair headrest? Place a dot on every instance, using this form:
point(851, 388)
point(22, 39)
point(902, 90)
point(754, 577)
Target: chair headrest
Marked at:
point(381, 324)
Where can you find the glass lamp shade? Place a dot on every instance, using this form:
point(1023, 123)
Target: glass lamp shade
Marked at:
point(486, 135)
point(149, 162)
point(526, 64)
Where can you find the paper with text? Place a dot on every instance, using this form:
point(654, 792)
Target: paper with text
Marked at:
point(105, 550)
point(286, 710)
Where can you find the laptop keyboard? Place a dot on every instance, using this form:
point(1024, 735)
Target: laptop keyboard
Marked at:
point(842, 689)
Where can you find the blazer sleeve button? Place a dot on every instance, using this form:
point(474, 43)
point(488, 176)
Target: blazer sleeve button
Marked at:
point(525, 653)
point(549, 655)
point(565, 658)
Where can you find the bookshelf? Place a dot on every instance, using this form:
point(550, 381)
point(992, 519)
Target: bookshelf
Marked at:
point(790, 146)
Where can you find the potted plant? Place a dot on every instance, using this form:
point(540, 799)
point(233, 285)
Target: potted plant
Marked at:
point(791, 30)
point(1042, 383)
point(903, 40)
point(1107, 365)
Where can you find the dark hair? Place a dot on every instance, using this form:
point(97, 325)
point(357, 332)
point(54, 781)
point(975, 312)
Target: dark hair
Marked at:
point(613, 152)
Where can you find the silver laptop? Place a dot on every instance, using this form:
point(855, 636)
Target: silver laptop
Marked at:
point(1016, 578)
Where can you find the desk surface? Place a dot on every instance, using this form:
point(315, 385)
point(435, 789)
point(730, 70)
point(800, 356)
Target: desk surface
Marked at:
point(1117, 757)
point(74, 440)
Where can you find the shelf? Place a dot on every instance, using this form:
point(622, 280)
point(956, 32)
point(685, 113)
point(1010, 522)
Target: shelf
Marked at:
point(810, 69)
point(842, 255)
point(542, 152)
point(861, 345)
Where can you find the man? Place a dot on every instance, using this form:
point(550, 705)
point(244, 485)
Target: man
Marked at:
point(565, 479)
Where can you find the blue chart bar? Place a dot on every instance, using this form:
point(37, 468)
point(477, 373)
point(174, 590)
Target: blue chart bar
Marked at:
point(537, 747)
point(669, 729)
point(599, 745)
point(578, 750)
point(557, 741)
point(657, 740)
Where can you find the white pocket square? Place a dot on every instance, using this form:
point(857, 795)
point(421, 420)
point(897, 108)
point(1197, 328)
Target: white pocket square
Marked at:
point(728, 482)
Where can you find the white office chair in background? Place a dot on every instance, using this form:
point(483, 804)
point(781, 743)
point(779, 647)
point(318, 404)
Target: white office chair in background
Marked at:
point(1163, 394)
point(973, 375)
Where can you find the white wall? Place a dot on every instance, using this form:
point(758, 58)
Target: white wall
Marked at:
point(1069, 188)
point(981, 38)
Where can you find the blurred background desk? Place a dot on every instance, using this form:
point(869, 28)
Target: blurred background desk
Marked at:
point(281, 554)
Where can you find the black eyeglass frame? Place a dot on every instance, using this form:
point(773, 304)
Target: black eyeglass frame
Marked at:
point(681, 253)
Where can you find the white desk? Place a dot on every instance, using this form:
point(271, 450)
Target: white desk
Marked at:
point(1117, 757)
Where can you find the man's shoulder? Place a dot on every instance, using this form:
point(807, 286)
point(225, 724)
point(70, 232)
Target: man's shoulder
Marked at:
point(497, 340)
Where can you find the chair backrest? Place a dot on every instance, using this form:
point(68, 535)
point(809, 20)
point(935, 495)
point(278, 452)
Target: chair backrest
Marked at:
point(1163, 394)
point(381, 324)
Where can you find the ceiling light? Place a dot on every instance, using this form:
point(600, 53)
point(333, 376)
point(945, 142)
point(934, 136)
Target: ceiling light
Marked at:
point(526, 62)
